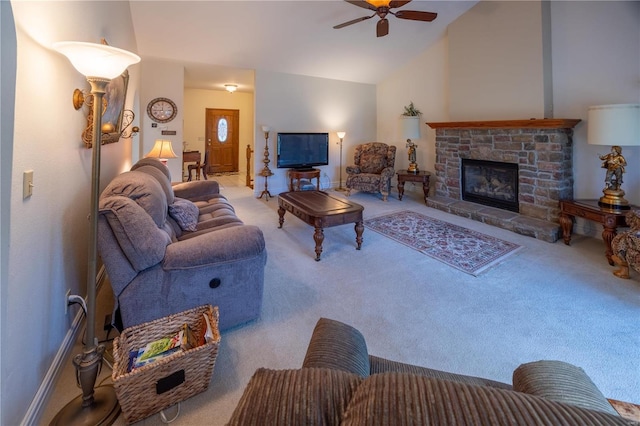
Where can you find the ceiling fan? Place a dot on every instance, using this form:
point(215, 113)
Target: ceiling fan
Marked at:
point(382, 8)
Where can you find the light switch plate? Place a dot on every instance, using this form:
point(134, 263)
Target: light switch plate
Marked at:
point(27, 184)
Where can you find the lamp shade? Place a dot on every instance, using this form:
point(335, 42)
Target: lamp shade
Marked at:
point(410, 127)
point(341, 134)
point(96, 60)
point(614, 125)
point(162, 149)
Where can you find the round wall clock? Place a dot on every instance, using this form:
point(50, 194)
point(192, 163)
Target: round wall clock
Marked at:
point(162, 110)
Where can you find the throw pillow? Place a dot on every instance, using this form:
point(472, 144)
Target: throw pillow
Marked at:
point(185, 213)
point(308, 396)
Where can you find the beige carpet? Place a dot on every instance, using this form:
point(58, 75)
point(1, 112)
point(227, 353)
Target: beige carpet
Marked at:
point(551, 301)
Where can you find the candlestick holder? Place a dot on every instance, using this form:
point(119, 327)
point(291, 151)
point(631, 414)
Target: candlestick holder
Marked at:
point(266, 172)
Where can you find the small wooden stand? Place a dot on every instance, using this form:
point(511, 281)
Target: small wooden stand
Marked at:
point(295, 177)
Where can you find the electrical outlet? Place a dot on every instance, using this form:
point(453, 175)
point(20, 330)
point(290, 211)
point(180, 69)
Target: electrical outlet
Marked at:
point(66, 301)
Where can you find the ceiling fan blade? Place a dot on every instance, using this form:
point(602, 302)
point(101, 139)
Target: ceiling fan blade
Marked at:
point(353, 21)
point(416, 15)
point(382, 28)
point(398, 3)
point(361, 3)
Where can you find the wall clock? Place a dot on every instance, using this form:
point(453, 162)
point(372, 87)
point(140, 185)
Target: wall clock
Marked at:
point(162, 110)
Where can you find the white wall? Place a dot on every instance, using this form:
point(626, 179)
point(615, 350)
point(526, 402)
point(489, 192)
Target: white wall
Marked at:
point(293, 103)
point(47, 240)
point(162, 79)
point(497, 62)
point(423, 81)
point(596, 65)
point(196, 102)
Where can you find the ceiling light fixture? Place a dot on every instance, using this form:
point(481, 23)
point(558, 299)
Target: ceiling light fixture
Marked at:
point(231, 87)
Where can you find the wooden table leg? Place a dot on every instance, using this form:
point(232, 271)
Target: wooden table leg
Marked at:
point(318, 237)
point(425, 188)
point(281, 212)
point(359, 230)
point(400, 189)
point(566, 222)
point(608, 233)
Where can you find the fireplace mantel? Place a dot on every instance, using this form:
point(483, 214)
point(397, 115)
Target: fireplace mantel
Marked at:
point(534, 123)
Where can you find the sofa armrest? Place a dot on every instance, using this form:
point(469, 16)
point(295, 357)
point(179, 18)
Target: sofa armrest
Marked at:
point(339, 346)
point(387, 172)
point(562, 382)
point(353, 170)
point(224, 245)
point(197, 190)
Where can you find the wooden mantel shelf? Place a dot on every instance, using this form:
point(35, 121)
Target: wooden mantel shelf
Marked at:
point(534, 123)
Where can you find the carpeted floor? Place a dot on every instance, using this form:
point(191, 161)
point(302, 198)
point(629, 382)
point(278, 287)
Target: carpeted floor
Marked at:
point(550, 301)
point(469, 251)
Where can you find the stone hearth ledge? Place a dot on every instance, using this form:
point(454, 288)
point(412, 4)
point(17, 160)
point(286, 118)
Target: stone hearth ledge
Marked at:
point(537, 228)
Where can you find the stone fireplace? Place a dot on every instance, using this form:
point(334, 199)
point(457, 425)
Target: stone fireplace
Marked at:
point(540, 150)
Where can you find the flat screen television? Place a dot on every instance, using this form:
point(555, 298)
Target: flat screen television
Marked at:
point(302, 150)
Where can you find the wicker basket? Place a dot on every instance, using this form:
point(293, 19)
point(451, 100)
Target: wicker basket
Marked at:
point(161, 384)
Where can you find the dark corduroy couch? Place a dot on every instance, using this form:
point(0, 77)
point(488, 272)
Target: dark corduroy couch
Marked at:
point(340, 383)
point(169, 248)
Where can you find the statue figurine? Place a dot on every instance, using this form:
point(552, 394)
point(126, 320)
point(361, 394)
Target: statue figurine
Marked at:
point(626, 246)
point(614, 162)
point(412, 151)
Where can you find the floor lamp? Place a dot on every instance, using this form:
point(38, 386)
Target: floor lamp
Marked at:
point(99, 63)
point(341, 136)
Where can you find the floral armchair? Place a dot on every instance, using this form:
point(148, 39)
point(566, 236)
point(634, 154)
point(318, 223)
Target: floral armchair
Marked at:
point(626, 246)
point(373, 168)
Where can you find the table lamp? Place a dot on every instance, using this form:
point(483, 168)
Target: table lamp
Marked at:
point(162, 150)
point(616, 125)
point(410, 128)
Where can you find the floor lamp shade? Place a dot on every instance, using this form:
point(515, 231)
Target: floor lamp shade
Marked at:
point(614, 125)
point(96, 60)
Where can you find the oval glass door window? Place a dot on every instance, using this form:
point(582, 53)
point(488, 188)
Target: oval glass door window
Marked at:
point(223, 130)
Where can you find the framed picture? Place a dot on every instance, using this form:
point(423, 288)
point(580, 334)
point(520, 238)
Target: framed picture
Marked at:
point(116, 95)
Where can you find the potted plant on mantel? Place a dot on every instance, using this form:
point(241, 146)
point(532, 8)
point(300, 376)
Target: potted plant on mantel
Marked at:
point(410, 127)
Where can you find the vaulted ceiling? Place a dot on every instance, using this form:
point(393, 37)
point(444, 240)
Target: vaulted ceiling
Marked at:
point(224, 41)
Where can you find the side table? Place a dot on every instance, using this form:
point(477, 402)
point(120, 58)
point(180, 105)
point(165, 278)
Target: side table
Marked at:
point(421, 176)
point(591, 210)
point(296, 175)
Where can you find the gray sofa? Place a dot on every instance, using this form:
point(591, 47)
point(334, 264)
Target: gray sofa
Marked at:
point(168, 248)
point(340, 383)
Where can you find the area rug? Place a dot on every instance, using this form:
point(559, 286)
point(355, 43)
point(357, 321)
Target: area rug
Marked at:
point(469, 251)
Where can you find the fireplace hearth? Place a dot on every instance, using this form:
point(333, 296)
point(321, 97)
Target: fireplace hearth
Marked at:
point(491, 183)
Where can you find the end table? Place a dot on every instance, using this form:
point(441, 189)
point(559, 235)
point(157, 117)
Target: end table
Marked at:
point(421, 176)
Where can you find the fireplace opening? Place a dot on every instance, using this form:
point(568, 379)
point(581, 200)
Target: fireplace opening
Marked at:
point(490, 183)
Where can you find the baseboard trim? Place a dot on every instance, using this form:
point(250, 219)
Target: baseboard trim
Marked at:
point(37, 406)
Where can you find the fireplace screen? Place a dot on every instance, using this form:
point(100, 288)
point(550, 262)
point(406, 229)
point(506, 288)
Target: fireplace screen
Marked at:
point(490, 183)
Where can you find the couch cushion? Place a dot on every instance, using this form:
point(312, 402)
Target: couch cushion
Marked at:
point(185, 213)
point(562, 382)
point(142, 188)
point(308, 396)
point(406, 399)
point(372, 162)
point(337, 345)
point(162, 179)
point(154, 162)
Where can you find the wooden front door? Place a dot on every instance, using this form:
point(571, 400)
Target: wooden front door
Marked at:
point(222, 140)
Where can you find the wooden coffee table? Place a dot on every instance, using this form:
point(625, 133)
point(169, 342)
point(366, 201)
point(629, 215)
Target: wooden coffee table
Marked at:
point(320, 210)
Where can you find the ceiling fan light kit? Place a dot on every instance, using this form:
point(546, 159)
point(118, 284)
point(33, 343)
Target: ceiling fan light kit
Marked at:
point(382, 8)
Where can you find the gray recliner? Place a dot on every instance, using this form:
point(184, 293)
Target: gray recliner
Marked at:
point(169, 248)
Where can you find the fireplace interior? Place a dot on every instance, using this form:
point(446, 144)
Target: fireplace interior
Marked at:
point(490, 183)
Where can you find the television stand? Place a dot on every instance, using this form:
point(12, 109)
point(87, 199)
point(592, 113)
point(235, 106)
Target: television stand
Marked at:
point(298, 176)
